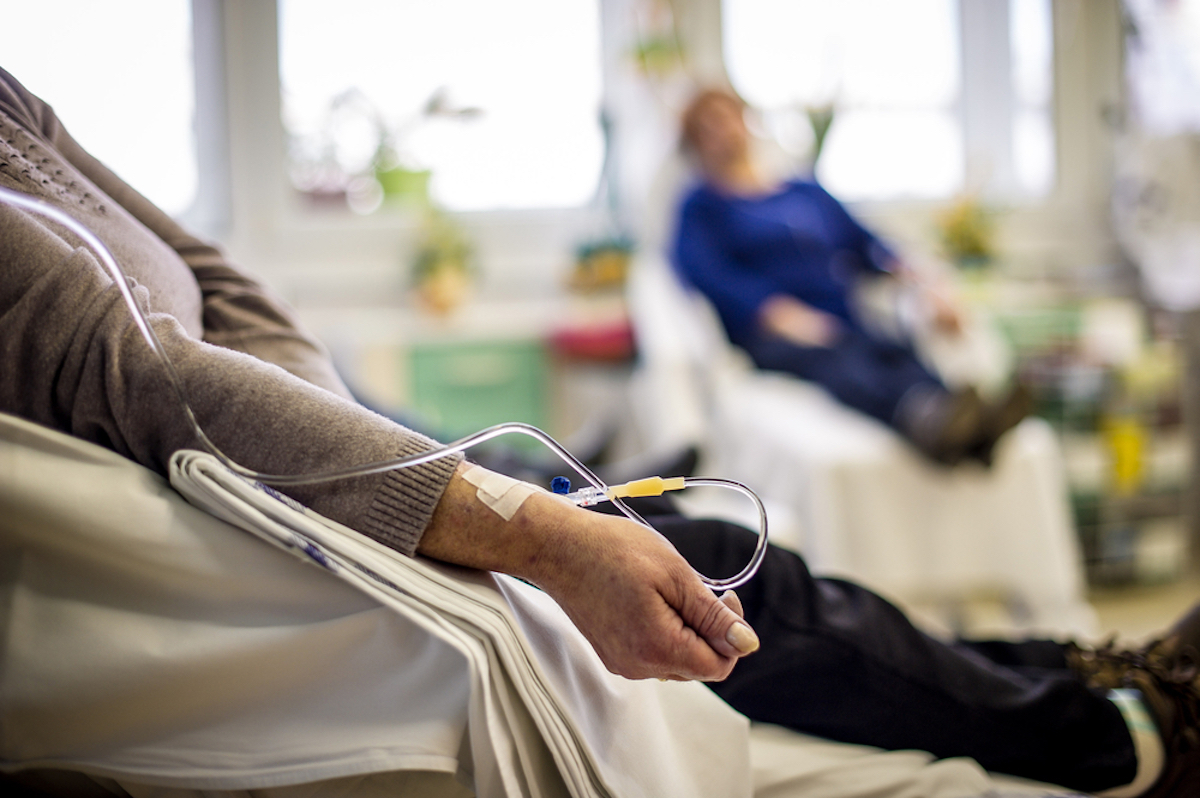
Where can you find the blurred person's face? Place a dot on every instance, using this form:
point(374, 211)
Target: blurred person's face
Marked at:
point(719, 135)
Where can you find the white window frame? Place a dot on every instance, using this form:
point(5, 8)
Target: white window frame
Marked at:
point(267, 227)
point(987, 102)
point(1069, 227)
point(245, 196)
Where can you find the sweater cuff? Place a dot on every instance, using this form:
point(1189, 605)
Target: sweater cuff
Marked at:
point(405, 501)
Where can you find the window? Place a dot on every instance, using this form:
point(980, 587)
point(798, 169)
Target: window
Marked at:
point(498, 102)
point(896, 75)
point(890, 70)
point(92, 68)
point(1031, 37)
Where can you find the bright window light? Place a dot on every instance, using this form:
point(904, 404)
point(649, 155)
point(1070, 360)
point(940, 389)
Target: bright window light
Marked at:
point(1032, 43)
point(498, 101)
point(890, 69)
point(119, 75)
point(894, 74)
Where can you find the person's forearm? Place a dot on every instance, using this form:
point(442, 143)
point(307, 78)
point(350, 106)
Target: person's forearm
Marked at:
point(465, 531)
point(542, 543)
point(789, 318)
point(944, 310)
point(631, 594)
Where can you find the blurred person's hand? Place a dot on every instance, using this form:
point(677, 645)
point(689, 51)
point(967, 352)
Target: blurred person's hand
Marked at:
point(800, 323)
point(946, 314)
point(634, 598)
point(945, 311)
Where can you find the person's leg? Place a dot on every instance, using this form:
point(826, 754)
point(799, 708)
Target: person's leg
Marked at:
point(858, 373)
point(885, 381)
point(1019, 654)
point(841, 662)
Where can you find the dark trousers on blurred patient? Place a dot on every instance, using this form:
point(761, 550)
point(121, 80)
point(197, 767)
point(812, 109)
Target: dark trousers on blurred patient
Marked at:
point(870, 374)
point(838, 661)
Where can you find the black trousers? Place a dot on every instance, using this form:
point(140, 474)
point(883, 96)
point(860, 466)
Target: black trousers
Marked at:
point(867, 373)
point(840, 662)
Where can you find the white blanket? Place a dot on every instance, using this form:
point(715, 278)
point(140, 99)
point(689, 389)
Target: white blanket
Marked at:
point(529, 725)
point(149, 641)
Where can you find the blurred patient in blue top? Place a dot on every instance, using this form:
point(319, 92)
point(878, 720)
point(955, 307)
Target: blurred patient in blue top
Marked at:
point(780, 261)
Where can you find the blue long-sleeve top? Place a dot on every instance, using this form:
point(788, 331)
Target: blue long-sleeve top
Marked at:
point(798, 241)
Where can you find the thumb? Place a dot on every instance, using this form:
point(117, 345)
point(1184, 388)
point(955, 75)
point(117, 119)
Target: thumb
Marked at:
point(740, 634)
point(724, 629)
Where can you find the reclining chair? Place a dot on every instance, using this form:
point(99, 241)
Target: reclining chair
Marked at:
point(951, 545)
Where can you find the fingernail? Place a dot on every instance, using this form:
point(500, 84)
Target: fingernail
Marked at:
point(742, 637)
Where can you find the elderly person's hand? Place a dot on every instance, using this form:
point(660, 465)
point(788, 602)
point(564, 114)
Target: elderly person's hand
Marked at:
point(944, 311)
point(639, 603)
point(946, 314)
point(798, 322)
point(625, 587)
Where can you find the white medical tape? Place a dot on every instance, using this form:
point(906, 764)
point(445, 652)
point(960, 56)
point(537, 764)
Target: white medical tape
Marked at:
point(503, 495)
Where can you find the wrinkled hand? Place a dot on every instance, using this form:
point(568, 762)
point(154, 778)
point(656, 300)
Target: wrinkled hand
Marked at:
point(947, 316)
point(795, 321)
point(634, 597)
point(943, 309)
point(641, 606)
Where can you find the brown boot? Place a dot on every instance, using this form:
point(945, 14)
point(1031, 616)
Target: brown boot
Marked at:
point(1167, 672)
point(999, 418)
point(942, 424)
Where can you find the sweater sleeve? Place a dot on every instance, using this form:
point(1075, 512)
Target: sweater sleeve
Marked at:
point(702, 257)
point(71, 357)
point(873, 255)
point(239, 312)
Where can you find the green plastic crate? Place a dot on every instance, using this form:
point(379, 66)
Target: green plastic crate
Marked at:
point(460, 388)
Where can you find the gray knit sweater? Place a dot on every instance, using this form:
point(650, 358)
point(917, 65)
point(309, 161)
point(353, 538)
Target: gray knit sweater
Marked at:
point(264, 391)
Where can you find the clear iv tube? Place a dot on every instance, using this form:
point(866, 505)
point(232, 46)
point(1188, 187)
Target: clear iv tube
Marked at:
point(118, 275)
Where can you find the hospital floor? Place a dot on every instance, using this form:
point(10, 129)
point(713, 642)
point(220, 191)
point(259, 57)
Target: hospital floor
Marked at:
point(1138, 611)
point(1134, 612)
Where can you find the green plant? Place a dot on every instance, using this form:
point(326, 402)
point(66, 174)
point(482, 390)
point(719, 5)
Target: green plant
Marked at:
point(966, 230)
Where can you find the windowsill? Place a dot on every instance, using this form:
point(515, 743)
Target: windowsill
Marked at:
point(402, 320)
point(337, 257)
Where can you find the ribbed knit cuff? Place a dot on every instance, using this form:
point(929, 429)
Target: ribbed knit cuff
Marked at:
point(404, 503)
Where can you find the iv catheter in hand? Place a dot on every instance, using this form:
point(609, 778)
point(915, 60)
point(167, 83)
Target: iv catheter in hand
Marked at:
point(585, 497)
